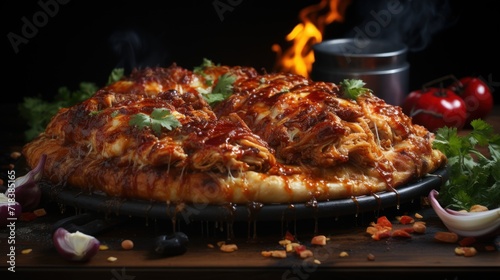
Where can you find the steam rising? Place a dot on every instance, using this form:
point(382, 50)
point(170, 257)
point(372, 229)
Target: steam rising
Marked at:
point(411, 22)
point(136, 50)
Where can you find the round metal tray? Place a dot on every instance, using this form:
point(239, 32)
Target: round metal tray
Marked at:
point(99, 202)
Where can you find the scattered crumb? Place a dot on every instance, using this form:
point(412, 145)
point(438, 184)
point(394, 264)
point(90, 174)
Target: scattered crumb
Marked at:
point(228, 248)
point(112, 259)
point(319, 240)
point(26, 251)
point(489, 248)
point(478, 208)
point(103, 247)
point(15, 155)
point(343, 254)
point(418, 216)
point(40, 212)
point(306, 254)
point(127, 244)
point(278, 254)
point(211, 246)
point(465, 251)
point(284, 242)
point(281, 254)
point(370, 257)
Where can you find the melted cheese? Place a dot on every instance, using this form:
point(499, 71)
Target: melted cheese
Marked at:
point(280, 138)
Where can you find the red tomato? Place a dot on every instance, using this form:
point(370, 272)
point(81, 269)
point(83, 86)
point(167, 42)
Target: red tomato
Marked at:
point(400, 233)
point(381, 234)
point(384, 222)
point(299, 249)
point(289, 236)
point(477, 96)
point(435, 107)
point(467, 241)
point(405, 219)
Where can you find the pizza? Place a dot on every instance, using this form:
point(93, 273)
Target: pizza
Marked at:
point(229, 134)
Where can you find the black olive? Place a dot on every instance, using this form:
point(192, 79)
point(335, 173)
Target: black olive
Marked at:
point(171, 245)
point(183, 238)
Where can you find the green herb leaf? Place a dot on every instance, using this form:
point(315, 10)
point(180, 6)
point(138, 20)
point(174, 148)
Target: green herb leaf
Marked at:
point(116, 75)
point(222, 90)
point(38, 112)
point(160, 118)
point(473, 177)
point(206, 63)
point(353, 88)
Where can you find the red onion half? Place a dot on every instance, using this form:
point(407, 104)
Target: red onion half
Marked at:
point(27, 190)
point(75, 246)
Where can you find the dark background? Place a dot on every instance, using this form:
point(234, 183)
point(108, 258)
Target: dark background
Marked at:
point(85, 40)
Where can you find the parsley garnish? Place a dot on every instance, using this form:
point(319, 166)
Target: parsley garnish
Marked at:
point(38, 112)
point(160, 118)
point(116, 75)
point(473, 177)
point(222, 90)
point(206, 63)
point(353, 88)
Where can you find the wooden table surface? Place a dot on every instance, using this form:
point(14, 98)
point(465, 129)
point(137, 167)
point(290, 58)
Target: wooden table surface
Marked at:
point(418, 256)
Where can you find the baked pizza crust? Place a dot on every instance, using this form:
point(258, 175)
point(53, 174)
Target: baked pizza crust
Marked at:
point(256, 146)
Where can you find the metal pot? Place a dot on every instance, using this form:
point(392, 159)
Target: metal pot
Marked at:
point(381, 64)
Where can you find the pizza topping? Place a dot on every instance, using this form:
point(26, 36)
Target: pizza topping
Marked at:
point(352, 88)
point(272, 138)
point(160, 118)
point(222, 90)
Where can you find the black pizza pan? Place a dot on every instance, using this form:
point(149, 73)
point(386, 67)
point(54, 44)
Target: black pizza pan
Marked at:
point(99, 202)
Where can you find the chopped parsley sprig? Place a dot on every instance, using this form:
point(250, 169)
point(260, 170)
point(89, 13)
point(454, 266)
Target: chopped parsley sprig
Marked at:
point(206, 63)
point(222, 90)
point(474, 178)
point(159, 118)
point(38, 112)
point(353, 88)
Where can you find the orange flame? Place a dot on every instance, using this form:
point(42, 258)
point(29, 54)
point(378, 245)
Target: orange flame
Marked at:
point(298, 59)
